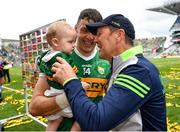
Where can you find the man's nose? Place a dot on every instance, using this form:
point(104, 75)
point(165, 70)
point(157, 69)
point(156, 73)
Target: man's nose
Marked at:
point(90, 36)
point(95, 39)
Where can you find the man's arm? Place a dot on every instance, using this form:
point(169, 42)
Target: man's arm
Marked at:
point(41, 105)
point(120, 102)
point(118, 105)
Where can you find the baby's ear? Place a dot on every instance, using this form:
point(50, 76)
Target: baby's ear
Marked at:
point(55, 41)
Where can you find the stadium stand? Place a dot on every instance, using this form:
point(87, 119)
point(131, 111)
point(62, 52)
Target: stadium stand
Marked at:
point(171, 7)
point(9, 50)
point(152, 46)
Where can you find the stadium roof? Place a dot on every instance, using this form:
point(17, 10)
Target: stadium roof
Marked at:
point(176, 24)
point(172, 8)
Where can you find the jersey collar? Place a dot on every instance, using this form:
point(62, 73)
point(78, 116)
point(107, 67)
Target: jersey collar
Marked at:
point(84, 57)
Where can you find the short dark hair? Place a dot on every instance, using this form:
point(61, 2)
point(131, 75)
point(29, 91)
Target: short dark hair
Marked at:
point(90, 14)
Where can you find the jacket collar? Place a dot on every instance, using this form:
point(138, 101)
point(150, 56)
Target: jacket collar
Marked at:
point(125, 56)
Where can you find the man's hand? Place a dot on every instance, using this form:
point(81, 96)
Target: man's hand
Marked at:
point(85, 85)
point(63, 71)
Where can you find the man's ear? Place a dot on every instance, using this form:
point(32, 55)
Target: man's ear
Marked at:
point(55, 41)
point(117, 34)
point(120, 33)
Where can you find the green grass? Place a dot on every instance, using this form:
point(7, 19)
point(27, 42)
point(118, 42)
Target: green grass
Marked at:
point(170, 74)
point(13, 103)
point(16, 78)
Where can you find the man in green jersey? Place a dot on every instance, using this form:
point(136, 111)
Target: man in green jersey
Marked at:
point(91, 69)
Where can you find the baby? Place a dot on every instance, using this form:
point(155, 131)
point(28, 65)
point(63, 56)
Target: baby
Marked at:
point(61, 37)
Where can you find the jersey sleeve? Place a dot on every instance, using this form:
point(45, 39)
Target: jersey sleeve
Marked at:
point(130, 89)
point(38, 61)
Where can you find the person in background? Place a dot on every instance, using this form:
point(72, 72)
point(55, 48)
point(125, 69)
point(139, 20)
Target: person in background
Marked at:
point(1, 77)
point(91, 69)
point(135, 100)
point(1, 82)
point(6, 68)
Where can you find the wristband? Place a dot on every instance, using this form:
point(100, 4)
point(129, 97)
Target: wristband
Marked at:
point(61, 101)
point(72, 78)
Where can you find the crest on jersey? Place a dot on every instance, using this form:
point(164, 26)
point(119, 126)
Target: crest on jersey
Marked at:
point(101, 70)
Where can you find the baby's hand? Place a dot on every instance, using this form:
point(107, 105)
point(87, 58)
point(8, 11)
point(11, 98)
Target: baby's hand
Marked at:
point(85, 85)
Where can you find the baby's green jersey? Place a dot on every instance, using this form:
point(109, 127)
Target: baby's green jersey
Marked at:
point(45, 62)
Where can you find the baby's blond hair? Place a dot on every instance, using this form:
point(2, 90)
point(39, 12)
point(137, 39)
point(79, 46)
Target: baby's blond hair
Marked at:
point(57, 29)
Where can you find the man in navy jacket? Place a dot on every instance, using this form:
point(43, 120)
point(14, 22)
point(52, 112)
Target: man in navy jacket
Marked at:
point(135, 99)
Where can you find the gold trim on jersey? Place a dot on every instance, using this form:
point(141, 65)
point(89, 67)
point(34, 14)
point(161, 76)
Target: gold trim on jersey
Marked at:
point(97, 86)
point(49, 78)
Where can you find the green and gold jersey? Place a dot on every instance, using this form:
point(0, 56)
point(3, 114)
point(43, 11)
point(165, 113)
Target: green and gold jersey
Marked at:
point(45, 62)
point(94, 71)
